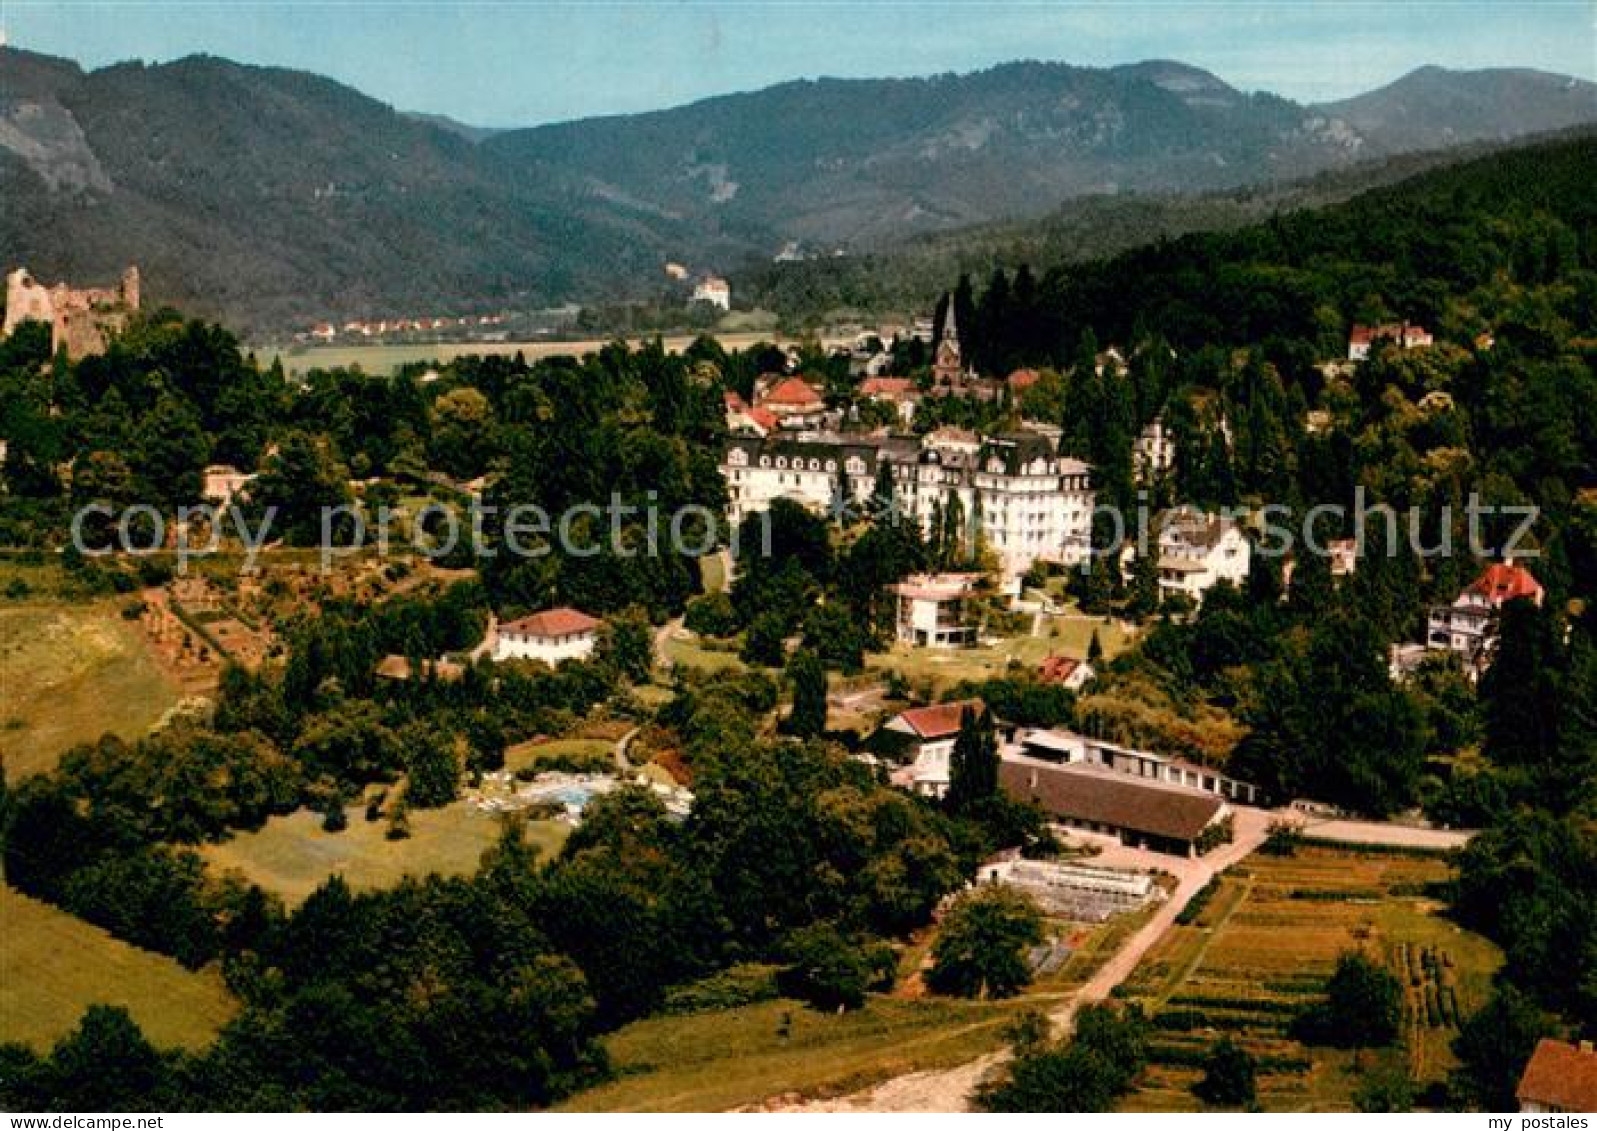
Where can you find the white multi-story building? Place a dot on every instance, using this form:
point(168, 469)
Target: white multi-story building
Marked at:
point(931, 609)
point(1468, 627)
point(1197, 551)
point(1015, 493)
point(1155, 451)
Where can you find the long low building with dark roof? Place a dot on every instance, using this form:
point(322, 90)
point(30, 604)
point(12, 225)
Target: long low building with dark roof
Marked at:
point(1142, 813)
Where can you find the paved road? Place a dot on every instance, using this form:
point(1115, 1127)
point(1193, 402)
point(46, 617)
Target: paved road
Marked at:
point(1381, 833)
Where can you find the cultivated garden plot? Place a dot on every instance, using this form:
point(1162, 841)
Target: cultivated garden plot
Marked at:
point(1258, 951)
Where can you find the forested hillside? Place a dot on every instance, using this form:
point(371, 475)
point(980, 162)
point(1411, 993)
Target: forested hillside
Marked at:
point(275, 198)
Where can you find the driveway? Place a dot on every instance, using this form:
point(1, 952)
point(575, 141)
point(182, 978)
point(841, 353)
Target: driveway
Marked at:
point(1388, 835)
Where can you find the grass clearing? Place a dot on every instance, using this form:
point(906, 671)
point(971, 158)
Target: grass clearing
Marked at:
point(292, 856)
point(54, 965)
point(684, 649)
point(944, 667)
point(384, 360)
point(1261, 951)
point(733, 1058)
point(69, 674)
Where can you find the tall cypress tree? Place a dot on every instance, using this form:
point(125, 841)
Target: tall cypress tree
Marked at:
point(973, 766)
point(808, 677)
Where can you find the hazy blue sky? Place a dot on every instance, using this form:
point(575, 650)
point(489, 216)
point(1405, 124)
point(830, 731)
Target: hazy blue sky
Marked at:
point(511, 62)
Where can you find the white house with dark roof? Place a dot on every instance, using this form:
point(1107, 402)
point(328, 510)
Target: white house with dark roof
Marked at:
point(1197, 551)
point(1069, 748)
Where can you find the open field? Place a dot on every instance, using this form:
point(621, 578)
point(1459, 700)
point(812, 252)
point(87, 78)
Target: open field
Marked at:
point(679, 647)
point(738, 1057)
point(385, 359)
point(1261, 950)
point(54, 965)
point(947, 666)
point(70, 673)
point(292, 856)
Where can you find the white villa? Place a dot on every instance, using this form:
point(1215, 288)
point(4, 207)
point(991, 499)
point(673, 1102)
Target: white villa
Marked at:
point(1468, 626)
point(553, 636)
point(931, 609)
point(713, 290)
point(1198, 551)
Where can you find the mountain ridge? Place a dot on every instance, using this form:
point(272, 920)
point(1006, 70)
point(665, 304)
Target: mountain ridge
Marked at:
point(274, 197)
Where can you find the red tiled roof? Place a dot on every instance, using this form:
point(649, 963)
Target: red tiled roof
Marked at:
point(1057, 669)
point(551, 623)
point(764, 417)
point(940, 719)
point(1106, 797)
point(1504, 582)
point(1022, 379)
point(886, 386)
point(791, 392)
point(1560, 1076)
point(1397, 331)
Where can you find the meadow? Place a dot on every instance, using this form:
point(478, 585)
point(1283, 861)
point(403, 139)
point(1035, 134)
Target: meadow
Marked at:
point(383, 360)
point(70, 673)
point(945, 667)
point(1260, 950)
point(54, 965)
point(731, 1058)
point(293, 856)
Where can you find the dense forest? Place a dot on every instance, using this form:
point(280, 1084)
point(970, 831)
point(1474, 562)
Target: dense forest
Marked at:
point(796, 863)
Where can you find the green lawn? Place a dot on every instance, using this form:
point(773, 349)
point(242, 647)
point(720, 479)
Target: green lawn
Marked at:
point(712, 569)
point(70, 673)
point(732, 1058)
point(947, 666)
point(292, 856)
point(689, 651)
point(54, 965)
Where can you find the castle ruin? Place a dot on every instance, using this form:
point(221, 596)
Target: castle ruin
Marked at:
point(80, 320)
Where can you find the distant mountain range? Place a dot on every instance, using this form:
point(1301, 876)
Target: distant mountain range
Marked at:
point(272, 197)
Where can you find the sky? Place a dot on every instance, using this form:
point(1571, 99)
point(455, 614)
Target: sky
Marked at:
point(522, 62)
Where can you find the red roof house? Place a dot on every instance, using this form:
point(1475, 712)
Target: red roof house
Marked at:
point(1559, 1077)
point(1504, 581)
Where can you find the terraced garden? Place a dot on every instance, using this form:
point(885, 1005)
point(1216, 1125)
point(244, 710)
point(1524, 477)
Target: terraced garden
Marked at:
point(1259, 952)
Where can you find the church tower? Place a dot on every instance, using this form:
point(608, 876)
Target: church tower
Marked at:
point(947, 366)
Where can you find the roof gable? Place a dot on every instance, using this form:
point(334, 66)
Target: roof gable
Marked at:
point(940, 719)
point(1560, 1075)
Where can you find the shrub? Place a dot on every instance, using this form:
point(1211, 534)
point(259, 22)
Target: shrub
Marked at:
point(1363, 1007)
point(1229, 1075)
point(744, 984)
